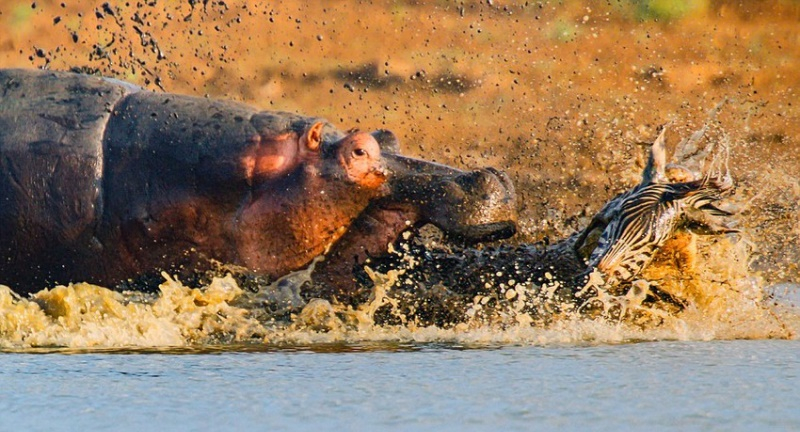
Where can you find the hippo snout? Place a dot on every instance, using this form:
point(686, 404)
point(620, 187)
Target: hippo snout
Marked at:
point(474, 206)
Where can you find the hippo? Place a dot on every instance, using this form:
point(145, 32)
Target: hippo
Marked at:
point(103, 181)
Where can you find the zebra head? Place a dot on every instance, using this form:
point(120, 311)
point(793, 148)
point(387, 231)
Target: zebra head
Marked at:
point(635, 224)
point(647, 218)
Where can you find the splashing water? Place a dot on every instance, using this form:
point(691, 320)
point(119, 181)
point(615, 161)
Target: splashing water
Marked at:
point(723, 301)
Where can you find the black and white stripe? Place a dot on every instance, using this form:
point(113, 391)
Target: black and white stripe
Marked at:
point(645, 218)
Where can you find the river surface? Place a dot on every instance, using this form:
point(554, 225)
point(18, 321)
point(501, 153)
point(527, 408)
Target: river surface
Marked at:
point(716, 385)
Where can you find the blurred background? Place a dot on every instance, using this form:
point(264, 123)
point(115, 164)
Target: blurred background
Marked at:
point(564, 95)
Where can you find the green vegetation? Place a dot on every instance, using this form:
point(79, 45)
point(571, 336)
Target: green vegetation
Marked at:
point(563, 30)
point(20, 16)
point(666, 10)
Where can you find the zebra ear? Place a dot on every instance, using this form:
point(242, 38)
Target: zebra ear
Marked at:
point(657, 161)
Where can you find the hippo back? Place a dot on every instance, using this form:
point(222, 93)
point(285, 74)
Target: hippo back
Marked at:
point(160, 144)
point(51, 160)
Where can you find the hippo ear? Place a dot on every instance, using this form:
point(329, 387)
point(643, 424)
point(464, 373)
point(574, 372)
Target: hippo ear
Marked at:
point(312, 138)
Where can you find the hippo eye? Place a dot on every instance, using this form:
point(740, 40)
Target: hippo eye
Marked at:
point(359, 152)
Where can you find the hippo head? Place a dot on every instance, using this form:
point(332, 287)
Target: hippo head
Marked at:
point(471, 206)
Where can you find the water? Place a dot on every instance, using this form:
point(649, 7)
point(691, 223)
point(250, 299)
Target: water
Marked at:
point(718, 385)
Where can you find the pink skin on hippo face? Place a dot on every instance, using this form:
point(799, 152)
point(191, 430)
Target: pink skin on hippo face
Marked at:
point(360, 154)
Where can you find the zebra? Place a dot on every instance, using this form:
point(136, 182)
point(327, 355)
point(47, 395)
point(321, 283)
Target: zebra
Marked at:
point(624, 235)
